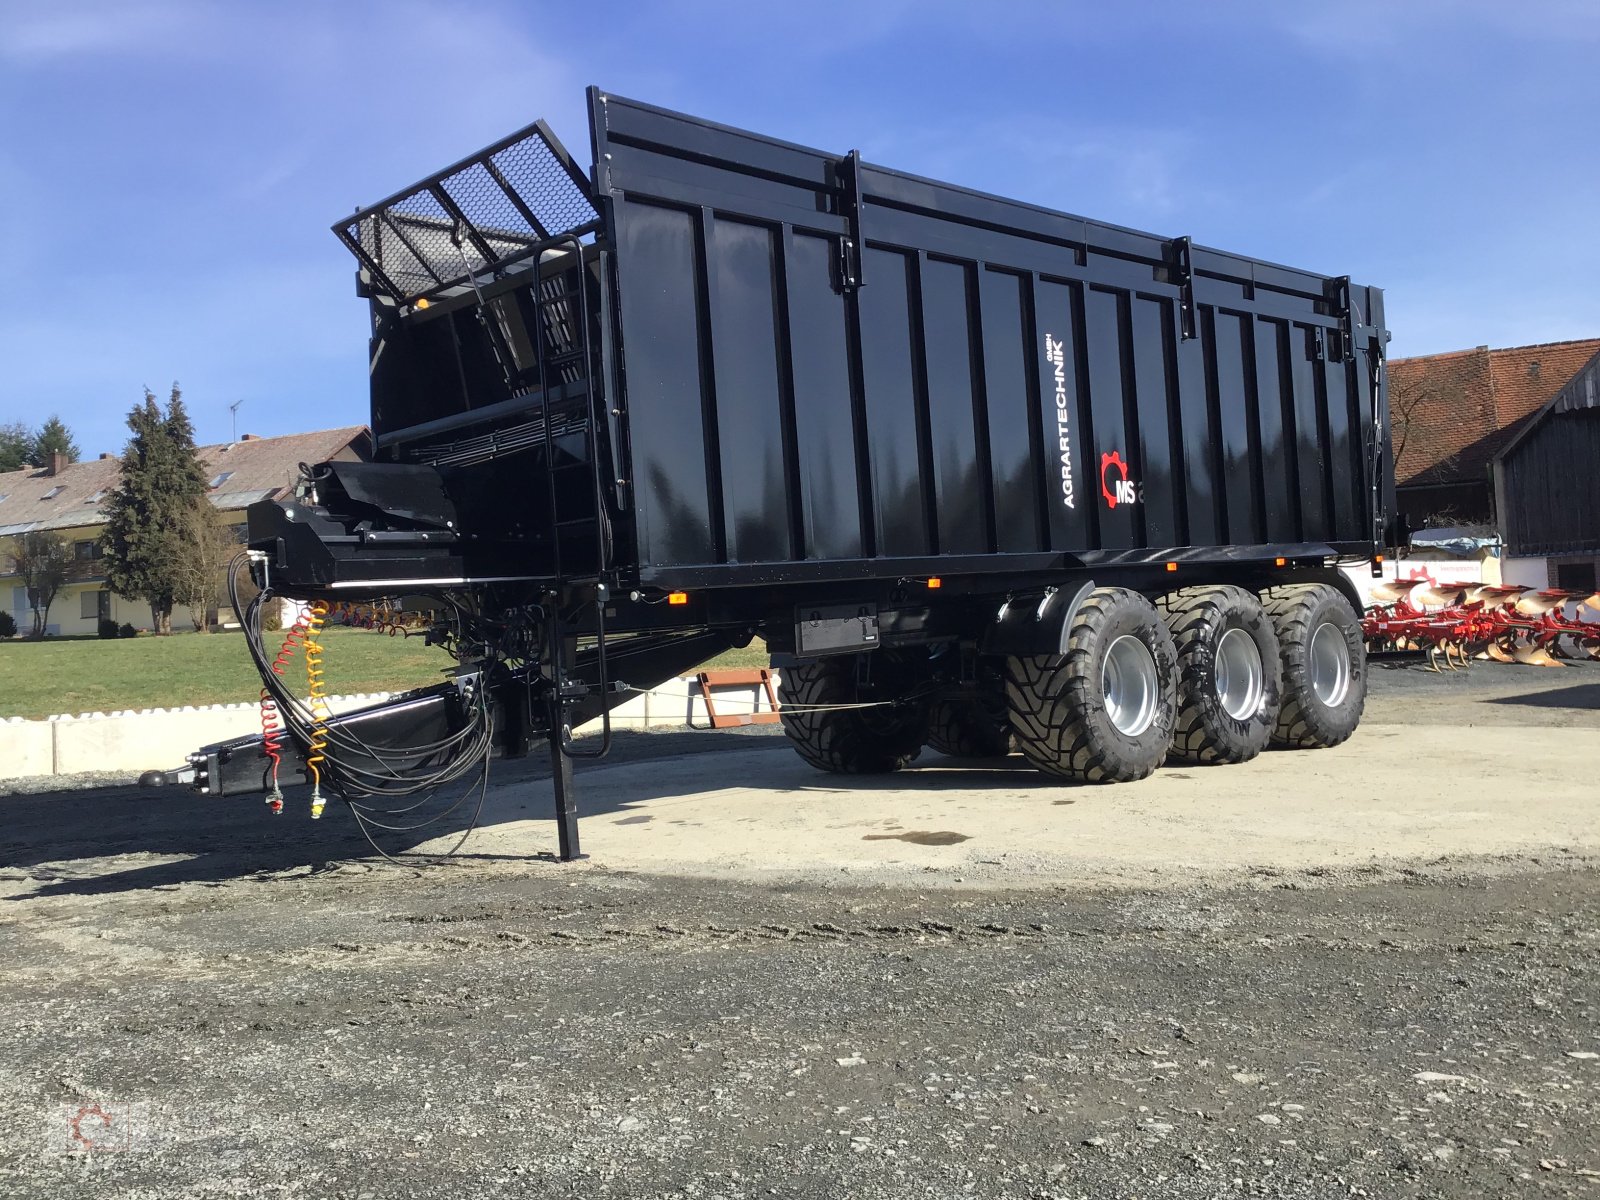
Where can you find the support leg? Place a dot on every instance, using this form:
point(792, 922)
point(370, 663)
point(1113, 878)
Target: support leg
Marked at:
point(561, 648)
point(566, 813)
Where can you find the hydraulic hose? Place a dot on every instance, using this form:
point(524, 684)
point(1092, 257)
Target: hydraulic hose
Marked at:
point(320, 712)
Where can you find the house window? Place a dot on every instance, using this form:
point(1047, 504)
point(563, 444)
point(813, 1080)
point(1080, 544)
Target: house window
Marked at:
point(3, 496)
point(86, 551)
point(95, 606)
point(98, 496)
point(219, 480)
point(1576, 576)
point(241, 533)
point(54, 492)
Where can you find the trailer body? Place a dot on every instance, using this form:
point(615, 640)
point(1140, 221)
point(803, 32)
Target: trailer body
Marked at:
point(815, 369)
point(720, 383)
point(834, 369)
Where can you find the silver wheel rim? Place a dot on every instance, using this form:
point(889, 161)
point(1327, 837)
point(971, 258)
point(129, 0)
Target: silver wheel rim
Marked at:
point(1240, 679)
point(1330, 664)
point(1129, 684)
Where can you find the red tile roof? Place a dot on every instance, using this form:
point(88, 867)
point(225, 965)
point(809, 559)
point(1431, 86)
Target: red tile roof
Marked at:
point(1450, 414)
point(255, 467)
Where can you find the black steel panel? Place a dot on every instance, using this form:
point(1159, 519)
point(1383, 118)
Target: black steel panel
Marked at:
point(1150, 328)
point(1343, 451)
point(823, 411)
point(812, 379)
point(1234, 367)
point(1057, 392)
point(652, 174)
point(1370, 385)
point(1113, 420)
point(1202, 518)
point(955, 400)
point(1311, 434)
point(744, 316)
point(1280, 491)
point(630, 122)
point(657, 254)
point(1014, 424)
point(889, 373)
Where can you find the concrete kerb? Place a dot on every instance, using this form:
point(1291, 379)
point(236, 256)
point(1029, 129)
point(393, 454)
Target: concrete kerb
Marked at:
point(160, 738)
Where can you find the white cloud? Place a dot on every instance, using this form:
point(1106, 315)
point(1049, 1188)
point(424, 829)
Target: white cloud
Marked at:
point(1372, 29)
point(82, 28)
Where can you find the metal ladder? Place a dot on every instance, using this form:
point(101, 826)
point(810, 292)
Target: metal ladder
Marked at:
point(563, 317)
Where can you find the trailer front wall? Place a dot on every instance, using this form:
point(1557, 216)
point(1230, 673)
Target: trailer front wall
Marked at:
point(1005, 381)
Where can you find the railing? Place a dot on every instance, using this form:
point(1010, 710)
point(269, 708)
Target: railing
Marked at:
point(474, 218)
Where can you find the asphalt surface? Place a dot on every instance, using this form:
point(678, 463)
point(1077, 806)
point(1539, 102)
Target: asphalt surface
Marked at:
point(224, 1004)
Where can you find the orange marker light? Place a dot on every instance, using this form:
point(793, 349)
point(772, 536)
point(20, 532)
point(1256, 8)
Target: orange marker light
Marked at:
point(1279, 562)
point(422, 302)
point(677, 597)
point(935, 582)
point(1377, 558)
point(1172, 566)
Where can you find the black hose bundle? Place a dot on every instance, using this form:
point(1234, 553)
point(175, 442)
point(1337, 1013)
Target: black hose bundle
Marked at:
point(358, 773)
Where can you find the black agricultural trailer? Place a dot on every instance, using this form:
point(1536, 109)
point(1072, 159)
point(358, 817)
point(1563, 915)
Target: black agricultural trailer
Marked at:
point(984, 476)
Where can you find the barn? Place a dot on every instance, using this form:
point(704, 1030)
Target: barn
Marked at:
point(1547, 488)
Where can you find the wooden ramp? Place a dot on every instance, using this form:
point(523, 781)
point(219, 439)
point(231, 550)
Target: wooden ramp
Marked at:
point(758, 681)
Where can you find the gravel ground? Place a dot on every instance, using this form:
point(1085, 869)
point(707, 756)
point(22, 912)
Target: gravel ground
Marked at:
point(259, 1008)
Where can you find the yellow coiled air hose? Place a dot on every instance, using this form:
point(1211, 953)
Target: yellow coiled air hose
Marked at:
point(319, 703)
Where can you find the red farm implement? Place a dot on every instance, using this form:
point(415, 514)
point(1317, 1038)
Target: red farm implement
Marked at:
point(1455, 622)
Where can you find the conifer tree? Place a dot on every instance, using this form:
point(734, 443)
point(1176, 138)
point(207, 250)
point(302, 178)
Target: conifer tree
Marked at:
point(53, 438)
point(16, 444)
point(163, 484)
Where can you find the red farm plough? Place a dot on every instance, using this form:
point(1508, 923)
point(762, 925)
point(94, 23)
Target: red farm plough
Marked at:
point(1456, 622)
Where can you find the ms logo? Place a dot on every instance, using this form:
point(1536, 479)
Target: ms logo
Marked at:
point(1115, 485)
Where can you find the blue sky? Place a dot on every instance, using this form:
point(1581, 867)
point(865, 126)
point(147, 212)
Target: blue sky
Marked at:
point(169, 168)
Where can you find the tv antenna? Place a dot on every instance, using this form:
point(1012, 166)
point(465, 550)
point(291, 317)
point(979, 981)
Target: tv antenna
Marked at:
point(234, 409)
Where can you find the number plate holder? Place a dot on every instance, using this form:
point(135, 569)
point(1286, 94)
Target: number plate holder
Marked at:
point(835, 628)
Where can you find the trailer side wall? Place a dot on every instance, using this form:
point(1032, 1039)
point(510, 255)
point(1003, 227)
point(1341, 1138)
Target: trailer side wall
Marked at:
point(1007, 388)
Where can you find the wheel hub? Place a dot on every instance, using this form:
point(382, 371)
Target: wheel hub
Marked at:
point(1240, 679)
point(1129, 683)
point(1329, 664)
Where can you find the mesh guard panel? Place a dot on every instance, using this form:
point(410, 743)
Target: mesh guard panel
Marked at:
point(473, 218)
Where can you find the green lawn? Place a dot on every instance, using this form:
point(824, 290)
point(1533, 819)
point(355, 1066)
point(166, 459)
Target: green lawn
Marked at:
point(91, 675)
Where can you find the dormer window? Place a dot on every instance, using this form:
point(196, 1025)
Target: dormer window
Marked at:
point(55, 491)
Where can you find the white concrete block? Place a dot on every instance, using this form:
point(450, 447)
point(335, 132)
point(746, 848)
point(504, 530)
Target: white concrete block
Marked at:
point(155, 739)
point(143, 743)
point(25, 748)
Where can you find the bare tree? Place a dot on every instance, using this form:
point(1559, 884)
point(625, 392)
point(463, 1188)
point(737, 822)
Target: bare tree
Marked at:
point(1407, 397)
point(200, 566)
point(44, 561)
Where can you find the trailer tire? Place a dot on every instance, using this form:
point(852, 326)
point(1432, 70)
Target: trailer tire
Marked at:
point(1324, 665)
point(1065, 708)
point(1229, 675)
point(970, 727)
point(849, 741)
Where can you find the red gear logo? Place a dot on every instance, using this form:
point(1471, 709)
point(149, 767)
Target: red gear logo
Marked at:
point(86, 1113)
point(1114, 459)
